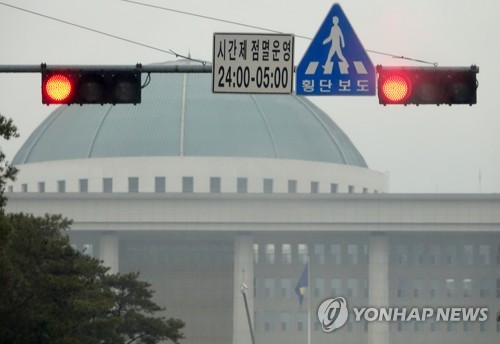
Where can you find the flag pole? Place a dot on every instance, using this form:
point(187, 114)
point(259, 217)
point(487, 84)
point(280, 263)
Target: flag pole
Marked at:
point(308, 300)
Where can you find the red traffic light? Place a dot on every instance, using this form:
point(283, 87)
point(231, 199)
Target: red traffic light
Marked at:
point(396, 88)
point(57, 88)
point(427, 85)
point(91, 85)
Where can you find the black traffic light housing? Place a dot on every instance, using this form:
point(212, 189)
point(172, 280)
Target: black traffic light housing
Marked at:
point(427, 85)
point(91, 85)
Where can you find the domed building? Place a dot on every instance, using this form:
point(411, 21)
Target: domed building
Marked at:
point(213, 197)
point(183, 138)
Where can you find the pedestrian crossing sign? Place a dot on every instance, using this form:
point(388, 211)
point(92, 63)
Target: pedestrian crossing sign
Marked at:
point(335, 63)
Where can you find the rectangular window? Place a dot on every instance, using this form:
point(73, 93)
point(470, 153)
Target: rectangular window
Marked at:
point(366, 285)
point(468, 255)
point(107, 185)
point(286, 288)
point(336, 286)
point(433, 325)
point(401, 288)
point(401, 255)
point(467, 287)
point(61, 186)
point(133, 184)
point(352, 254)
point(160, 184)
point(365, 190)
point(286, 321)
point(418, 254)
point(334, 188)
point(286, 254)
point(434, 288)
point(351, 189)
point(484, 288)
point(319, 253)
point(292, 186)
point(451, 254)
point(268, 185)
point(484, 254)
point(215, 185)
point(319, 287)
point(187, 184)
point(417, 288)
point(434, 256)
point(24, 187)
point(242, 185)
point(302, 322)
point(314, 187)
point(255, 287)
point(484, 326)
point(269, 288)
point(302, 252)
point(41, 187)
point(269, 321)
point(352, 287)
point(451, 289)
point(270, 253)
point(256, 253)
point(336, 254)
point(83, 185)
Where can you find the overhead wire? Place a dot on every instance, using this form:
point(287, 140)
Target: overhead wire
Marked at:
point(170, 51)
point(163, 8)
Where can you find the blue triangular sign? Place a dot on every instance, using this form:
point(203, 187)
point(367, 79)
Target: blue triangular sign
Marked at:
point(335, 63)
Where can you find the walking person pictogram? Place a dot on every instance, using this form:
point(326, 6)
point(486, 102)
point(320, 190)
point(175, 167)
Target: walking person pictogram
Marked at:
point(337, 43)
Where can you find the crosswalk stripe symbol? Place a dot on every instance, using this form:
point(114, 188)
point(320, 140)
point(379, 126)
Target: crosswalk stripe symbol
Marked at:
point(311, 68)
point(360, 67)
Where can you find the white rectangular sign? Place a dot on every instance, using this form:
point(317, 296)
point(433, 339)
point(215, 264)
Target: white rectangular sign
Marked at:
point(252, 63)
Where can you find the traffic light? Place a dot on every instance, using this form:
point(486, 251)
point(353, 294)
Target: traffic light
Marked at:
point(91, 85)
point(427, 85)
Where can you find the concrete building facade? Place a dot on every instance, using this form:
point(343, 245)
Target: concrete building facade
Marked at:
point(204, 194)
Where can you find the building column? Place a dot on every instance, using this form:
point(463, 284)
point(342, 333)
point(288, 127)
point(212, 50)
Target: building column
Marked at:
point(378, 283)
point(243, 273)
point(109, 252)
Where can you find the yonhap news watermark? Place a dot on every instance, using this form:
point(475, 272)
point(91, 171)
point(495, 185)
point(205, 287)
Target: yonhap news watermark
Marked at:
point(333, 313)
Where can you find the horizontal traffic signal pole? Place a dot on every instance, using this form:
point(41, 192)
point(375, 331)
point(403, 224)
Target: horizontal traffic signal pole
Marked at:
point(97, 84)
point(201, 68)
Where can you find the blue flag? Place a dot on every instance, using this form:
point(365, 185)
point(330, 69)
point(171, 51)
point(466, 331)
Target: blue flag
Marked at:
point(302, 284)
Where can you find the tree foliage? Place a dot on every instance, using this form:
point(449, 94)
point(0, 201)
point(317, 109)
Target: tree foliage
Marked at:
point(51, 293)
point(7, 171)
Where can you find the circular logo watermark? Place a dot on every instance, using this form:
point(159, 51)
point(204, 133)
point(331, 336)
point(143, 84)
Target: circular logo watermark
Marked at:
point(332, 313)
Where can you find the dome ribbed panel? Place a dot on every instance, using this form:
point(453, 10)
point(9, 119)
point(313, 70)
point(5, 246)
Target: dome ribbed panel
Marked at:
point(223, 124)
point(147, 129)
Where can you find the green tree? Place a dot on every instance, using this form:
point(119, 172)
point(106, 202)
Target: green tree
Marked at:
point(134, 309)
point(7, 171)
point(51, 293)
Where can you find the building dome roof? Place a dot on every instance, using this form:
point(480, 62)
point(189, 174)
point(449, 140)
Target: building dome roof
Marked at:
point(180, 116)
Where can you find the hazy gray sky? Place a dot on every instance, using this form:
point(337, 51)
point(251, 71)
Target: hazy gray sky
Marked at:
point(423, 149)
